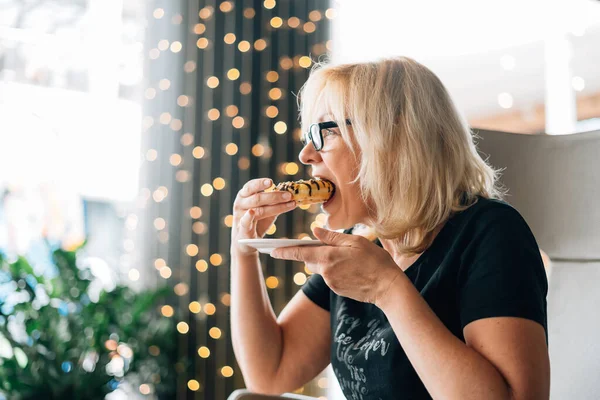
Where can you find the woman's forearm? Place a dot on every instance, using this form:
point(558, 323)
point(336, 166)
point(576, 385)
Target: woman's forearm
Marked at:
point(448, 368)
point(256, 336)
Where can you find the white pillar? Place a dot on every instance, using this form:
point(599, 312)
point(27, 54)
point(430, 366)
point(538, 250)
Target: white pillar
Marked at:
point(561, 108)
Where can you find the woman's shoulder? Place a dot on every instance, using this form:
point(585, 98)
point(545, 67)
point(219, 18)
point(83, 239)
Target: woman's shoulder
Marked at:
point(490, 213)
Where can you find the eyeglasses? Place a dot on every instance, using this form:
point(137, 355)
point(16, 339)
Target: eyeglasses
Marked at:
point(317, 131)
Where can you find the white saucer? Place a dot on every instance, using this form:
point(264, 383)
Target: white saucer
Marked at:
point(268, 245)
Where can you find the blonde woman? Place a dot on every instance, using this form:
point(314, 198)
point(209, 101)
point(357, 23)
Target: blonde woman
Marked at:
point(448, 303)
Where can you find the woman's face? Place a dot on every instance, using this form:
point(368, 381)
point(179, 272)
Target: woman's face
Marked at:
point(336, 163)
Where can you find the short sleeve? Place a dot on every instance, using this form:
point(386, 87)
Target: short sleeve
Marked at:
point(317, 291)
point(502, 273)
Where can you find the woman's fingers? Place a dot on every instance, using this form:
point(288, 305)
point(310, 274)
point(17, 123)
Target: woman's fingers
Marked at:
point(262, 199)
point(273, 210)
point(254, 186)
point(247, 221)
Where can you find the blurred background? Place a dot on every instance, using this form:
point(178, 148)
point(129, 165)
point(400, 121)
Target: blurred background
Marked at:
point(128, 126)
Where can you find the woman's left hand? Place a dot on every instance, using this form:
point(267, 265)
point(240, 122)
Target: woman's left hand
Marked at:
point(351, 265)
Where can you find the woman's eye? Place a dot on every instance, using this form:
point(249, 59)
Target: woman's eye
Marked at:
point(328, 132)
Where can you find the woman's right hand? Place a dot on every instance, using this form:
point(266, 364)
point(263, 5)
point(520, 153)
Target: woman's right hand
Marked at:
point(254, 211)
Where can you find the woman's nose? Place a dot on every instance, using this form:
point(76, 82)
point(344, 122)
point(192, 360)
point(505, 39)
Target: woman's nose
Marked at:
point(308, 155)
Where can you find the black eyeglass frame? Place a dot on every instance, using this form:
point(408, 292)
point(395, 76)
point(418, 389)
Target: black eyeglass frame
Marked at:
point(318, 128)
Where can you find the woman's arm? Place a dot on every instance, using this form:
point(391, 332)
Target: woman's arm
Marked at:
point(275, 356)
point(504, 357)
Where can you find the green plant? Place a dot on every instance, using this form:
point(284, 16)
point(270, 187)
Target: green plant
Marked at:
point(58, 343)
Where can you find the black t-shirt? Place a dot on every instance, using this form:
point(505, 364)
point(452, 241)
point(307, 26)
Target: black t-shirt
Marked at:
point(484, 263)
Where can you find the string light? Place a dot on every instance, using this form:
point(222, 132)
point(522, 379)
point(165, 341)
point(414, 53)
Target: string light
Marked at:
point(177, 19)
point(231, 111)
point(176, 47)
point(154, 54)
point(280, 127)
point(212, 82)
point(183, 101)
point(163, 45)
point(151, 155)
point(201, 265)
point(144, 389)
point(315, 15)
point(183, 327)
point(202, 43)
point(244, 163)
point(272, 111)
point(167, 311)
point(293, 22)
point(195, 212)
point(272, 282)
point(233, 74)
point(309, 27)
point(176, 125)
point(198, 152)
point(164, 84)
point(228, 221)
point(299, 279)
point(199, 228)
point(159, 224)
point(175, 160)
point(165, 272)
point(272, 229)
point(245, 88)
point(226, 299)
point(159, 263)
point(244, 46)
point(330, 13)
point(215, 333)
point(206, 189)
point(182, 176)
point(226, 6)
point(231, 149)
point(272, 76)
point(158, 13)
point(209, 309)
point(193, 385)
point(291, 168)
point(214, 114)
point(260, 44)
point(305, 62)
point(191, 250)
point(154, 351)
point(227, 371)
point(150, 93)
point(229, 38)
point(238, 122)
point(204, 352)
point(286, 63)
point(216, 259)
point(219, 183)
point(181, 289)
point(206, 12)
point(199, 29)
point(189, 66)
point(276, 22)
point(187, 139)
point(322, 383)
point(249, 13)
point(269, 4)
point(275, 94)
point(165, 118)
point(195, 307)
point(258, 150)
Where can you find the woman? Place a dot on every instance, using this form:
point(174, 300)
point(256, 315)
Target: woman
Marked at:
point(448, 303)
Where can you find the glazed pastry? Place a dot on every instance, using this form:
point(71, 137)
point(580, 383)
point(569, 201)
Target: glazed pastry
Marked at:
point(312, 191)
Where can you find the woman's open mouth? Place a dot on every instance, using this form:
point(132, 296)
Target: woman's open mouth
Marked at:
point(330, 199)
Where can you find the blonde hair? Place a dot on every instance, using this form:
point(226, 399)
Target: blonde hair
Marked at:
point(418, 163)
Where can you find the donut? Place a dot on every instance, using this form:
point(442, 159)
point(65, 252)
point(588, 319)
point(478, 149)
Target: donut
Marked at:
point(312, 191)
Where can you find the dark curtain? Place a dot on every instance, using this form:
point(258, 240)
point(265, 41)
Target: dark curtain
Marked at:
point(220, 109)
